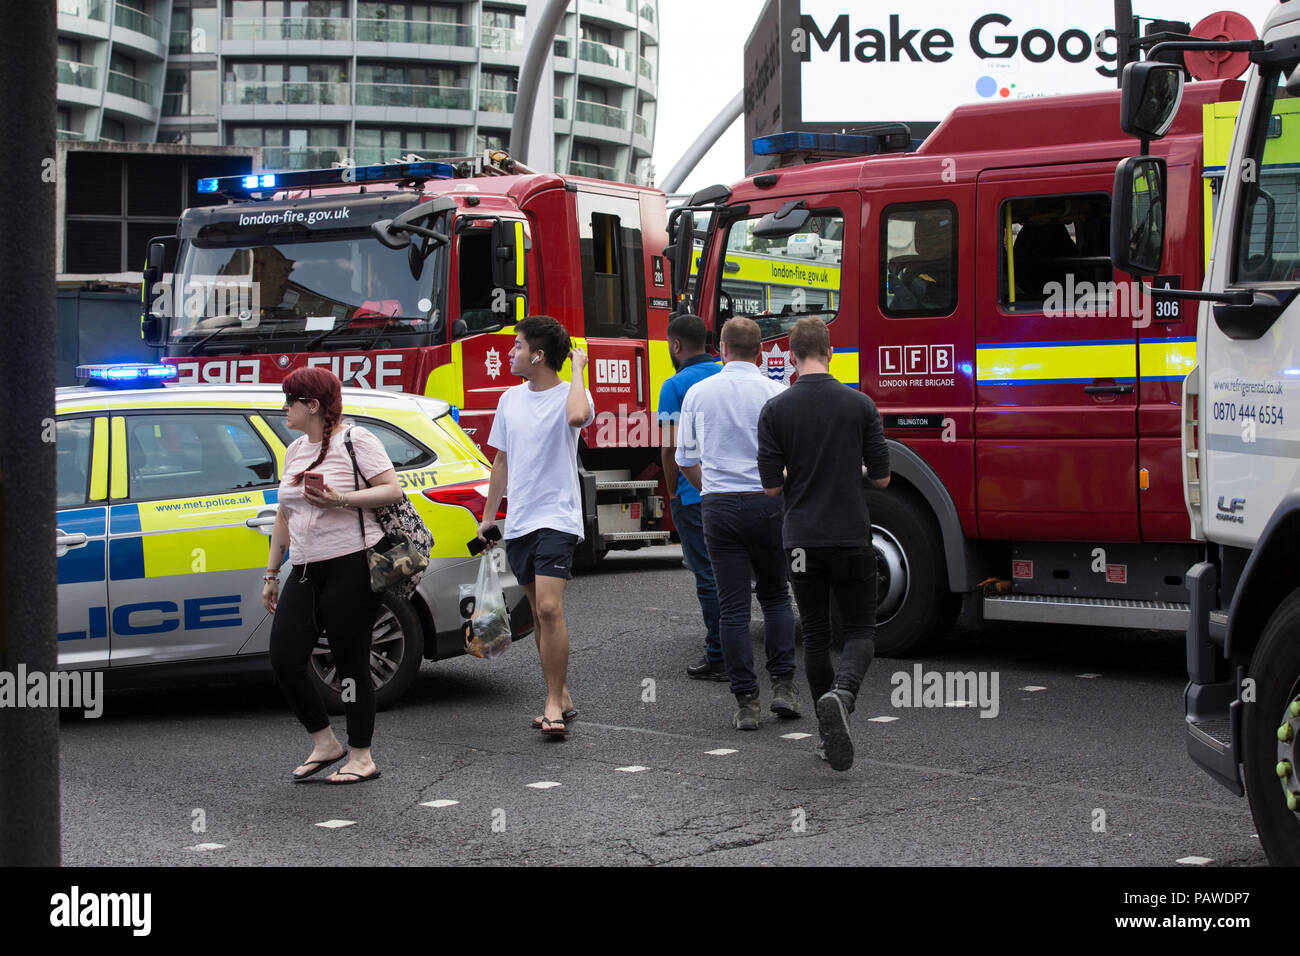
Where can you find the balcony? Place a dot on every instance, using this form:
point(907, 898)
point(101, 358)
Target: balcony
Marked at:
point(90, 9)
point(647, 69)
point(416, 31)
point(594, 170)
point(648, 12)
point(605, 54)
point(130, 18)
point(641, 126)
point(129, 87)
point(600, 114)
point(417, 97)
point(496, 101)
point(561, 108)
point(502, 39)
point(78, 74)
point(377, 155)
point(627, 5)
point(285, 28)
point(237, 93)
point(301, 157)
point(179, 42)
point(69, 135)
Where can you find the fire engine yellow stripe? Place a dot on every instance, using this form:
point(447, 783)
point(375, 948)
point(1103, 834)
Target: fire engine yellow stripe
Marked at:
point(661, 369)
point(272, 439)
point(844, 366)
point(99, 462)
point(519, 257)
point(1067, 362)
point(117, 485)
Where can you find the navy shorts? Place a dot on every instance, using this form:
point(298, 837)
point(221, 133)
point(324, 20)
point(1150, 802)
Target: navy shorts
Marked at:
point(545, 552)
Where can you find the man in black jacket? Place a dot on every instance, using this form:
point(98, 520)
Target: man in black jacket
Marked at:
point(821, 433)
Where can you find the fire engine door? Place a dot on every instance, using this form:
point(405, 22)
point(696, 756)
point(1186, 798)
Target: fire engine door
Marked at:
point(614, 310)
point(1056, 361)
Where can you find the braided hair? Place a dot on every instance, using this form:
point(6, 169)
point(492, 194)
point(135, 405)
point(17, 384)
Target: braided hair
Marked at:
point(325, 387)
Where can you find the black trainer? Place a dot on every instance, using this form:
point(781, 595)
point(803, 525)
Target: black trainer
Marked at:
point(706, 669)
point(833, 721)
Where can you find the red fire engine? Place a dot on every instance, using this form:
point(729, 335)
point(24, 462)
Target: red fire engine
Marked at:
point(410, 276)
point(1030, 393)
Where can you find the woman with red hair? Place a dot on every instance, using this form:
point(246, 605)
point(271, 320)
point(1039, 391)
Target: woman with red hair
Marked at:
point(328, 586)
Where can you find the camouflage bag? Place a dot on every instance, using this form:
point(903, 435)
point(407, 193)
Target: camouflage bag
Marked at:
point(398, 561)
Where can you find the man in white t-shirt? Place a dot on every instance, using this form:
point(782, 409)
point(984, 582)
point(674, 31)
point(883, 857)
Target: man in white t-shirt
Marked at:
point(535, 433)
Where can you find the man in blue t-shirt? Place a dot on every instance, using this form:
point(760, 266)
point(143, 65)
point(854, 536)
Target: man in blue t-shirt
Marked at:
point(686, 340)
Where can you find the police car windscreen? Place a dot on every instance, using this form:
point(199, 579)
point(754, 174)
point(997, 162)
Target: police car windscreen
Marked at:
point(288, 289)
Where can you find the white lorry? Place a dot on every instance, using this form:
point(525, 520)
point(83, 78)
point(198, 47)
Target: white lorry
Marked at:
point(1241, 436)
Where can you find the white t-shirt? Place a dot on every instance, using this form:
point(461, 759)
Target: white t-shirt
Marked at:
point(541, 449)
point(318, 534)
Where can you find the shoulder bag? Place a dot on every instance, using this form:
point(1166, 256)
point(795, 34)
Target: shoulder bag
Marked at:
point(398, 561)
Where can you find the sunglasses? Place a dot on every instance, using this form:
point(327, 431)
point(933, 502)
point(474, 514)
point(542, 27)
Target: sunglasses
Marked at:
point(289, 399)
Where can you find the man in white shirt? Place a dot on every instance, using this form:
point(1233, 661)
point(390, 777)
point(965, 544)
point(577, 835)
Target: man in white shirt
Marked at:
point(717, 451)
point(535, 433)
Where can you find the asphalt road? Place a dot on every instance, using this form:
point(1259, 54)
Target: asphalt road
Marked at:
point(1085, 770)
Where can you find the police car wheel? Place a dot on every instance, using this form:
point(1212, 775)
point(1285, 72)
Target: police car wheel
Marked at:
point(1275, 668)
point(914, 607)
point(396, 650)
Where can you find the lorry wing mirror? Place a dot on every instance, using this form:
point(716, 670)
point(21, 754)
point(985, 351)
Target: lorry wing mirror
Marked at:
point(1152, 92)
point(508, 263)
point(785, 222)
point(1137, 216)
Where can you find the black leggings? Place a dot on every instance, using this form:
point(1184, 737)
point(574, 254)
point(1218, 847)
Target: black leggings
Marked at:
point(333, 596)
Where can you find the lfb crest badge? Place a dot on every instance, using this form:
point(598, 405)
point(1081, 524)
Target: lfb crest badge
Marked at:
point(492, 361)
point(777, 365)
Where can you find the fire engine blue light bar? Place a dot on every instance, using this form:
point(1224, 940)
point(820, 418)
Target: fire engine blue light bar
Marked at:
point(779, 143)
point(118, 374)
point(240, 186)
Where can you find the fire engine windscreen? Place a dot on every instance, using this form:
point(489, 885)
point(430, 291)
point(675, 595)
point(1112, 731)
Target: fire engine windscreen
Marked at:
point(776, 282)
point(328, 287)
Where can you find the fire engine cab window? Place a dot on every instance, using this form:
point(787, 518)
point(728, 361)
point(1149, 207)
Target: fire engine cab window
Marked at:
point(1054, 249)
point(918, 259)
point(776, 282)
point(1268, 247)
point(476, 289)
point(181, 456)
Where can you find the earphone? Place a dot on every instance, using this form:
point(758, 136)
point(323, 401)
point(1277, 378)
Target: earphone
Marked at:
point(534, 359)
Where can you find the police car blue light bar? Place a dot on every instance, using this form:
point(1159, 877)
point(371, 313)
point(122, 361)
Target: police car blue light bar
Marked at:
point(135, 373)
point(243, 185)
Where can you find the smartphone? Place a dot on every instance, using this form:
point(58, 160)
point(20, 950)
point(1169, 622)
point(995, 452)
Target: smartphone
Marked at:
point(478, 544)
point(315, 481)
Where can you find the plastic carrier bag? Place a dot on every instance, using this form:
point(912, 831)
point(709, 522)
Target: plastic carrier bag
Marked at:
point(487, 630)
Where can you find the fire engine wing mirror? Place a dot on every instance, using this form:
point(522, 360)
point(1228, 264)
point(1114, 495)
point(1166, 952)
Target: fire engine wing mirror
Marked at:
point(152, 323)
point(710, 196)
point(396, 233)
point(508, 263)
point(679, 251)
point(1137, 216)
point(1151, 95)
point(785, 222)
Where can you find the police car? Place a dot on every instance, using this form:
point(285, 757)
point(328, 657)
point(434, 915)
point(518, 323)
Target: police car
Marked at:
point(166, 498)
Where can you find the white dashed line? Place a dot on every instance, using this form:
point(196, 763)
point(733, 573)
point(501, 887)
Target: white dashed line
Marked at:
point(881, 720)
point(336, 824)
point(1195, 860)
point(720, 752)
point(1087, 676)
point(202, 847)
point(957, 703)
point(795, 736)
point(1033, 687)
point(439, 804)
point(632, 769)
point(543, 784)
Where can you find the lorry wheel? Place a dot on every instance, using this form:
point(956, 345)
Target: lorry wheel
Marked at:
point(914, 607)
point(396, 650)
point(1270, 733)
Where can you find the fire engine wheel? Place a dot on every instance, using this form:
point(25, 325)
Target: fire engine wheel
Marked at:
point(396, 650)
point(914, 607)
point(1269, 736)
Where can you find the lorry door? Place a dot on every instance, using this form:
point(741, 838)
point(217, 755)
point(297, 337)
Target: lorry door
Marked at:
point(1056, 360)
point(615, 320)
point(193, 492)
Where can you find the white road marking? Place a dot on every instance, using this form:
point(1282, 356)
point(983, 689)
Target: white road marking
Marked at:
point(1033, 687)
point(721, 752)
point(1195, 860)
point(439, 804)
point(957, 703)
point(543, 784)
point(200, 848)
point(881, 720)
point(632, 769)
point(1087, 676)
point(336, 824)
point(795, 736)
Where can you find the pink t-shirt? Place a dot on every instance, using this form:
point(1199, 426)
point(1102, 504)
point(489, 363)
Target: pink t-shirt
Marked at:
point(318, 534)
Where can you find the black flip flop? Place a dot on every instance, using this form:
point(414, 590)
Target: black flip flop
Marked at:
point(562, 732)
point(350, 773)
point(319, 765)
point(567, 715)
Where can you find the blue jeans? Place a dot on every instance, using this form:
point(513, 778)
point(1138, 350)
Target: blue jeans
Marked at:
point(689, 521)
point(743, 534)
